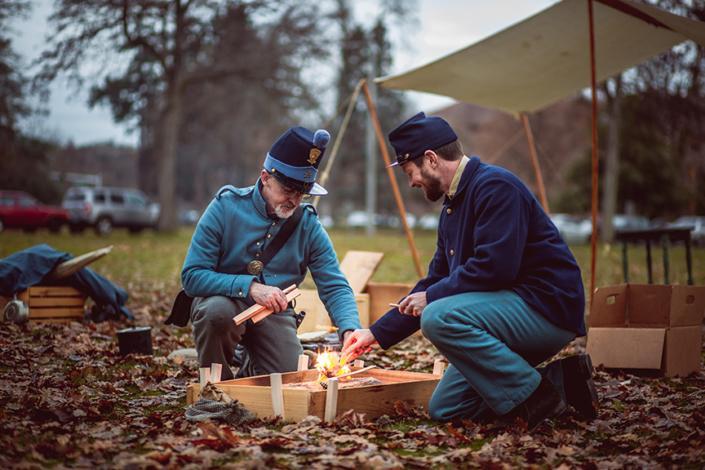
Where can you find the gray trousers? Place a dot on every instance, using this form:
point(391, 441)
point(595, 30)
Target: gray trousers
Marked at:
point(271, 344)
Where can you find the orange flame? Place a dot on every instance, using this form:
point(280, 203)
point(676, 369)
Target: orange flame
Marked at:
point(330, 364)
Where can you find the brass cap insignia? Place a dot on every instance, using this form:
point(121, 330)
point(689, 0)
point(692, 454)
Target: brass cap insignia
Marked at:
point(313, 155)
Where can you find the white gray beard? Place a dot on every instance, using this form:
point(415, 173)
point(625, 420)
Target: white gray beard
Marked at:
point(282, 213)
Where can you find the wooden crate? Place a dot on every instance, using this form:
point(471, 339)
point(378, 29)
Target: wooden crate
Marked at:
point(54, 304)
point(317, 315)
point(382, 294)
point(374, 400)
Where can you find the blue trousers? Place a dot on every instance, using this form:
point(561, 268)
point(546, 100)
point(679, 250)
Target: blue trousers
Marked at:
point(492, 340)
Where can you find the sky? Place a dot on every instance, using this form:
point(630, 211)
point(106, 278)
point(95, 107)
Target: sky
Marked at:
point(443, 26)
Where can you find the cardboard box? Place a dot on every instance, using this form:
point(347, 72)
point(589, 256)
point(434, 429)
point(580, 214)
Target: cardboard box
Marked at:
point(645, 326)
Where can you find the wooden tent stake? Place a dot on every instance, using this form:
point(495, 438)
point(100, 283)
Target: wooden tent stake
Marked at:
point(535, 162)
point(216, 372)
point(439, 366)
point(204, 376)
point(275, 382)
point(303, 362)
point(331, 401)
point(371, 108)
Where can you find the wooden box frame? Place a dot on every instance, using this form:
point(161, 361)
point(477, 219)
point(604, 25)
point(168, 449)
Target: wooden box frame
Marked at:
point(255, 393)
point(53, 304)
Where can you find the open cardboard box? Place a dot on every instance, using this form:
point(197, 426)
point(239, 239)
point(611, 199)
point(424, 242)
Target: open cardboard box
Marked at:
point(645, 326)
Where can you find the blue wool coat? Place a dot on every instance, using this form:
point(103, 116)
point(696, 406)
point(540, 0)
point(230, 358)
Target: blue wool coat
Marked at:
point(236, 226)
point(494, 235)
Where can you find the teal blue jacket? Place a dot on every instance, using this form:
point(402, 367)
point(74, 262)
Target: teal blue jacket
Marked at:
point(236, 226)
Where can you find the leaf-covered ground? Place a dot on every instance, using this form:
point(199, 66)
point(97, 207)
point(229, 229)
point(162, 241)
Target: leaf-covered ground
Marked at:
point(69, 399)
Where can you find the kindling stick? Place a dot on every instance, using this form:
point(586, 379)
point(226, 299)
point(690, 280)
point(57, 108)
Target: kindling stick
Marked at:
point(275, 382)
point(216, 371)
point(331, 401)
point(257, 308)
point(258, 317)
point(355, 372)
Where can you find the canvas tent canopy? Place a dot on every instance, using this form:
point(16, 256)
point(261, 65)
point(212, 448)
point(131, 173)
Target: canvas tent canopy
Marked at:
point(546, 57)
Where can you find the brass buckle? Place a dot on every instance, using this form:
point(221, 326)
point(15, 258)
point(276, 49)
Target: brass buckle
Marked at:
point(255, 267)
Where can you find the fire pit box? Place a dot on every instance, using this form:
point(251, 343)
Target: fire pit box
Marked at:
point(254, 393)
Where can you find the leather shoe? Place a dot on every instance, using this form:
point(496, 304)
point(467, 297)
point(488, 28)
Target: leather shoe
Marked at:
point(545, 402)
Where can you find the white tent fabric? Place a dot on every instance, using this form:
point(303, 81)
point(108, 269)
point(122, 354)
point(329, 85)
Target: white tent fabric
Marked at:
point(546, 57)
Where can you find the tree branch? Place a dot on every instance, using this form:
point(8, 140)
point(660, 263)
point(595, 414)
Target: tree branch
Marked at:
point(140, 41)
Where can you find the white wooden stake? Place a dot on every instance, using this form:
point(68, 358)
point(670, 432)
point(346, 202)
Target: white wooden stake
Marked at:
point(204, 376)
point(359, 364)
point(275, 382)
point(331, 401)
point(439, 366)
point(303, 362)
point(216, 370)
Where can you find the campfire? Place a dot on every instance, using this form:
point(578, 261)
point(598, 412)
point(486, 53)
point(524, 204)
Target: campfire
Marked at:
point(330, 364)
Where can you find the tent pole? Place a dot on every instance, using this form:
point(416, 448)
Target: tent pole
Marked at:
point(392, 178)
point(595, 160)
point(535, 162)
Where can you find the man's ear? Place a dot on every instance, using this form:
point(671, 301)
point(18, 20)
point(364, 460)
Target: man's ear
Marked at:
point(432, 158)
point(264, 176)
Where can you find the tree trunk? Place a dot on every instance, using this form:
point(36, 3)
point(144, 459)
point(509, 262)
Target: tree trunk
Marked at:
point(611, 178)
point(167, 143)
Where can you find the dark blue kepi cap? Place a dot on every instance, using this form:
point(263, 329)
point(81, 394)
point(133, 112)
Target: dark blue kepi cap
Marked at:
point(294, 159)
point(418, 134)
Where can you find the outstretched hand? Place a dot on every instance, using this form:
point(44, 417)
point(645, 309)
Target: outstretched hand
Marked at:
point(357, 343)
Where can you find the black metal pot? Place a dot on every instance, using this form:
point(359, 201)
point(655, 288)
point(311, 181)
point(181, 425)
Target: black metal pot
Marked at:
point(135, 340)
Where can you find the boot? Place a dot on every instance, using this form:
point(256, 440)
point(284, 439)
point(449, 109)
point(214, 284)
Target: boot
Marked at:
point(573, 377)
point(545, 402)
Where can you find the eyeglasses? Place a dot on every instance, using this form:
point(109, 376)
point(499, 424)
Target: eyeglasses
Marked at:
point(292, 193)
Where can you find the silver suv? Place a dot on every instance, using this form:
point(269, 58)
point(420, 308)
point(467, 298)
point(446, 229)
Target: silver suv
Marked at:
point(105, 208)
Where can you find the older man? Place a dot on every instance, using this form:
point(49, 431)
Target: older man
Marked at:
point(503, 291)
point(250, 244)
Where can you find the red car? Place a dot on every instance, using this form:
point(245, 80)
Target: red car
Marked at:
point(20, 210)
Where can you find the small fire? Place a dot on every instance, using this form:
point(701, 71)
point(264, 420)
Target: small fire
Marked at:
point(330, 364)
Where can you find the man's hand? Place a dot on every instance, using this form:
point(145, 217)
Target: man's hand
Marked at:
point(413, 304)
point(358, 342)
point(268, 296)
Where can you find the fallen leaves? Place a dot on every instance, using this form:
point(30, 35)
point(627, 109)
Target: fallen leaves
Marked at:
point(69, 398)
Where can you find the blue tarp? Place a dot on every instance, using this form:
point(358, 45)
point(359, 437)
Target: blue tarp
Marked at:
point(28, 267)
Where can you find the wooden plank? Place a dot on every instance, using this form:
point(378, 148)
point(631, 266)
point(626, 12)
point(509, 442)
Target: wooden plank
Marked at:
point(56, 301)
point(216, 372)
point(74, 265)
point(359, 266)
point(317, 315)
point(36, 313)
point(256, 309)
point(303, 362)
point(204, 376)
point(258, 317)
point(54, 291)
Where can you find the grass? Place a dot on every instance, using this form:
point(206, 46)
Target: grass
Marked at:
point(154, 259)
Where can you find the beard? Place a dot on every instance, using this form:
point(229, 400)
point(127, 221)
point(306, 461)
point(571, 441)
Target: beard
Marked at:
point(432, 186)
point(284, 211)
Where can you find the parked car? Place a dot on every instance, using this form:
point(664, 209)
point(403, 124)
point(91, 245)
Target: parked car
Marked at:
point(574, 229)
point(697, 235)
point(104, 208)
point(19, 209)
point(428, 222)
